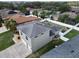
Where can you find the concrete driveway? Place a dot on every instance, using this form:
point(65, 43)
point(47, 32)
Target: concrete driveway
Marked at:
point(18, 50)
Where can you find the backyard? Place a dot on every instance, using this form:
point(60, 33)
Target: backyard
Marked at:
point(46, 48)
point(6, 40)
point(72, 34)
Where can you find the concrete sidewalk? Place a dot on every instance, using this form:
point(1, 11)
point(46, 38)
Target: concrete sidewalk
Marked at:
point(3, 29)
point(18, 50)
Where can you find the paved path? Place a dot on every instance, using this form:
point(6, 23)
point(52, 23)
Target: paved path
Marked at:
point(64, 38)
point(3, 29)
point(69, 30)
point(16, 51)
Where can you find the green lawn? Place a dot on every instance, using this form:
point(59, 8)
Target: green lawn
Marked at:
point(6, 40)
point(72, 34)
point(45, 48)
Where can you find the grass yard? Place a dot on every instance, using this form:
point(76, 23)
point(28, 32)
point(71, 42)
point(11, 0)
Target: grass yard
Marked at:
point(72, 34)
point(6, 40)
point(45, 48)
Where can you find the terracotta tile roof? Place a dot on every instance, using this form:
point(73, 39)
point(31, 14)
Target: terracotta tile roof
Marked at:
point(22, 19)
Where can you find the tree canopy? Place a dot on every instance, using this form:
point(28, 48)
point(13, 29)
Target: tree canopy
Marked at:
point(10, 24)
point(35, 12)
point(64, 8)
point(63, 18)
point(43, 14)
point(77, 18)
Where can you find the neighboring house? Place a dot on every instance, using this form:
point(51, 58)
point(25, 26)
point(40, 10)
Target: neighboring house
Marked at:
point(72, 17)
point(35, 35)
point(69, 49)
point(20, 19)
point(39, 11)
point(75, 9)
point(71, 14)
point(6, 12)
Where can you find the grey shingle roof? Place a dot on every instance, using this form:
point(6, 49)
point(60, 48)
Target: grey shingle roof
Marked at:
point(37, 29)
point(68, 49)
point(33, 29)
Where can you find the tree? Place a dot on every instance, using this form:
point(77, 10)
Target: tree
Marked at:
point(53, 11)
point(35, 12)
point(11, 24)
point(43, 14)
point(67, 19)
point(64, 8)
point(48, 13)
point(6, 5)
point(77, 18)
point(6, 23)
point(63, 18)
point(1, 21)
point(22, 8)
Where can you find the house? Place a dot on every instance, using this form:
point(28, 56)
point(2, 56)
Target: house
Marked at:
point(72, 17)
point(71, 14)
point(4, 12)
point(35, 35)
point(7, 12)
point(69, 49)
point(75, 9)
point(20, 19)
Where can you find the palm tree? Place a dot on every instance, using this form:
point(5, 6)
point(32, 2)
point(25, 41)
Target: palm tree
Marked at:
point(11, 24)
point(6, 23)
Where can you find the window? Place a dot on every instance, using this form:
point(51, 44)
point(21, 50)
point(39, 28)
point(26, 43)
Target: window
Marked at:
point(26, 37)
point(51, 33)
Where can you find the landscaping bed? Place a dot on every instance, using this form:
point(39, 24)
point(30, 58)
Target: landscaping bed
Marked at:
point(46, 48)
point(72, 34)
point(6, 40)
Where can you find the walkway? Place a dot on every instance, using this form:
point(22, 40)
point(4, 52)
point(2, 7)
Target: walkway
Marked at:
point(16, 51)
point(69, 30)
point(3, 29)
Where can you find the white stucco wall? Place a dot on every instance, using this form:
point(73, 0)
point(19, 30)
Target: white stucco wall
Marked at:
point(40, 41)
point(36, 43)
point(22, 37)
point(25, 41)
